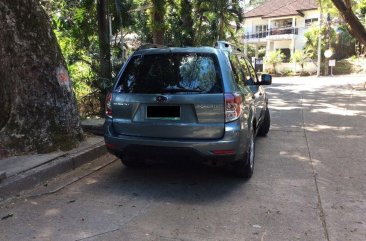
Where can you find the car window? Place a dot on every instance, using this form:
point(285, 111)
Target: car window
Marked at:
point(172, 73)
point(250, 74)
point(251, 70)
point(237, 69)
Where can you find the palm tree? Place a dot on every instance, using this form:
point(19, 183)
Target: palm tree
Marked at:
point(274, 58)
point(227, 15)
point(299, 57)
point(216, 20)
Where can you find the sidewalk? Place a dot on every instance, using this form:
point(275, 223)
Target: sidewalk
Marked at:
point(19, 173)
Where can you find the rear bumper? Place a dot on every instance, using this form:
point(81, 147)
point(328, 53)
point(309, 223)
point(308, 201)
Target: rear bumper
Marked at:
point(234, 140)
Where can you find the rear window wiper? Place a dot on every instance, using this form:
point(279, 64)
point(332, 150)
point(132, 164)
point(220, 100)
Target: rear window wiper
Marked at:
point(177, 90)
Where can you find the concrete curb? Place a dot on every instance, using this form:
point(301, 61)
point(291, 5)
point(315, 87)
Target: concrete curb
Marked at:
point(12, 186)
point(94, 126)
point(94, 129)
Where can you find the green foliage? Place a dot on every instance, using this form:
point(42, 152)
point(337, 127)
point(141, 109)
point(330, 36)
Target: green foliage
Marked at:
point(214, 21)
point(75, 25)
point(312, 39)
point(299, 57)
point(179, 21)
point(274, 58)
point(361, 7)
point(156, 21)
point(186, 23)
point(251, 51)
point(76, 36)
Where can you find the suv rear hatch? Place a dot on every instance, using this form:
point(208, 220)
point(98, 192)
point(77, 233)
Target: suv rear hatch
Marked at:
point(171, 95)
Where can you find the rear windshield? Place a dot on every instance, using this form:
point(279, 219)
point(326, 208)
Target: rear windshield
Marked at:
point(171, 73)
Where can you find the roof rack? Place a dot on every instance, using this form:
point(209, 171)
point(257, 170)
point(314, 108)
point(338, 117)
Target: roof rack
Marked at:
point(224, 45)
point(151, 46)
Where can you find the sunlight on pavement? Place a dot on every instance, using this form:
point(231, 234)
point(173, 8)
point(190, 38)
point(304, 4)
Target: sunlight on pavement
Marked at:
point(52, 212)
point(337, 111)
point(90, 181)
point(285, 108)
point(315, 128)
point(294, 156)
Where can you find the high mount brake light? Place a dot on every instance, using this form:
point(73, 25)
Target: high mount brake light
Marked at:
point(108, 105)
point(232, 106)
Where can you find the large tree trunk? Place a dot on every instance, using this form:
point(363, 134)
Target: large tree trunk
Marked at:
point(105, 71)
point(187, 21)
point(158, 29)
point(355, 27)
point(38, 110)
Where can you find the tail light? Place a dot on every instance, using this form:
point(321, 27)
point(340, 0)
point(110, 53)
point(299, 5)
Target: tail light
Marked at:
point(232, 106)
point(108, 105)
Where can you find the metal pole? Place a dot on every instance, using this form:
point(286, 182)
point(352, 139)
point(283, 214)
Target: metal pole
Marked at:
point(319, 42)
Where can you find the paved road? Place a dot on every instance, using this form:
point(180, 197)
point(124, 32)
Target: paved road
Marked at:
point(309, 184)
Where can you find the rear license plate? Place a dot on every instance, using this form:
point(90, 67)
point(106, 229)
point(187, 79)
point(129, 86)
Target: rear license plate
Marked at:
point(170, 112)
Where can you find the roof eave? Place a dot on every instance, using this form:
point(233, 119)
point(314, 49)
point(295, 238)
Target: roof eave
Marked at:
point(256, 16)
point(280, 16)
point(301, 13)
point(308, 9)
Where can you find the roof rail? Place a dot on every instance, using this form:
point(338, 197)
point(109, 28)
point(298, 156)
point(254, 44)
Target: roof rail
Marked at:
point(151, 46)
point(224, 45)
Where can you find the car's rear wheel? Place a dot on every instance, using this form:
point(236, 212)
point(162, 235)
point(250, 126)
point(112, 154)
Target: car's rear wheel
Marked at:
point(264, 127)
point(245, 167)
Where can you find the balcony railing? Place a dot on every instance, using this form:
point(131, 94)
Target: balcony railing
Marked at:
point(273, 31)
point(257, 35)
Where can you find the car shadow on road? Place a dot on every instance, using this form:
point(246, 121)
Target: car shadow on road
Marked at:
point(177, 181)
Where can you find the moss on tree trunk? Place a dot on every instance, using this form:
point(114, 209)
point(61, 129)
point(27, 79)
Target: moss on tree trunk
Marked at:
point(38, 110)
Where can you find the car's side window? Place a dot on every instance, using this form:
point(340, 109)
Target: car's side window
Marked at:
point(250, 74)
point(252, 71)
point(238, 74)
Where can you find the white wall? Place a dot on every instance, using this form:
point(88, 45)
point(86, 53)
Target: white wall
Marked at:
point(309, 67)
point(249, 24)
point(282, 44)
point(300, 39)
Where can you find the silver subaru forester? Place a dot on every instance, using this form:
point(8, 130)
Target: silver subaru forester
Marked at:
point(204, 103)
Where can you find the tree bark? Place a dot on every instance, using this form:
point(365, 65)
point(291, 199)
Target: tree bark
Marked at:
point(355, 27)
point(158, 30)
point(104, 46)
point(38, 110)
point(105, 71)
point(187, 21)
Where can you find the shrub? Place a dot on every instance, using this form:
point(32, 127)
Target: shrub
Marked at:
point(299, 57)
point(274, 58)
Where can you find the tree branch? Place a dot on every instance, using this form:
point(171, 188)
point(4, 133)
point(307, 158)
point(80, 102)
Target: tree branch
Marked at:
point(355, 27)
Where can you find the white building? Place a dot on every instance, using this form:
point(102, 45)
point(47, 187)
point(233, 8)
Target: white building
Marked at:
point(280, 25)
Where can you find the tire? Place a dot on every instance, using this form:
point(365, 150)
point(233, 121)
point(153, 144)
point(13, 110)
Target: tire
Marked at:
point(264, 127)
point(244, 168)
point(130, 161)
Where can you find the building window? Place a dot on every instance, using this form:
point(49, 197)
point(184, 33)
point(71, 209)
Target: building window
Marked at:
point(310, 21)
point(261, 31)
point(261, 28)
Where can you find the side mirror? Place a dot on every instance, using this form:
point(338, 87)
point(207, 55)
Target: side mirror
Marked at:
point(266, 79)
